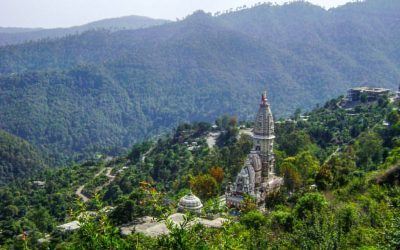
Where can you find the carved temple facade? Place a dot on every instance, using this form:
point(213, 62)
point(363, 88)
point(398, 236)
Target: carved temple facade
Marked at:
point(257, 177)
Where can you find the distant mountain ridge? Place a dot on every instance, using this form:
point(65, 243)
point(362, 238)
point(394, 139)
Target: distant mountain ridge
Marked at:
point(10, 36)
point(13, 30)
point(105, 88)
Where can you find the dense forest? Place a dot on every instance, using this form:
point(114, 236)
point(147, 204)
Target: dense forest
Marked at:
point(103, 90)
point(18, 158)
point(341, 188)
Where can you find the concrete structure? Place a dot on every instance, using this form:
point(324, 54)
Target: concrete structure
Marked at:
point(257, 177)
point(69, 227)
point(190, 203)
point(74, 225)
point(39, 183)
point(372, 94)
point(151, 227)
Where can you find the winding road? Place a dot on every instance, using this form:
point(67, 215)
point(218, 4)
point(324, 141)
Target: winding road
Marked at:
point(110, 177)
point(78, 192)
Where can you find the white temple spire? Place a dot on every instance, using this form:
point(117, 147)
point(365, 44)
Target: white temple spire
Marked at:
point(257, 176)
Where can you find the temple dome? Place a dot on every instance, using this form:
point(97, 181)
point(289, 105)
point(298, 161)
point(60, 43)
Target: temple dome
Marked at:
point(190, 202)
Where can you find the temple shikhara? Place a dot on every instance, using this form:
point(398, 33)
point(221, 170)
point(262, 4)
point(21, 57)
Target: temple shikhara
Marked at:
point(257, 177)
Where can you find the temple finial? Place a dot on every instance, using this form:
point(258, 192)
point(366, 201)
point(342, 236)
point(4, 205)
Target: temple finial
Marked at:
point(264, 98)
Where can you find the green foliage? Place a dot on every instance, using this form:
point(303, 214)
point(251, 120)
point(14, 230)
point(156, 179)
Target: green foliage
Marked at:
point(101, 91)
point(25, 206)
point(249, 204)
point(213, 207)
point(181, 236)
point(315, 232)
point(282, 220)
point(348, 217)
point(205, 186)
point(392, 234)
point(294, 142)
point(144, 201)
point(18, 158)
point(338, 171)
point(291, 177)
point(310, 203)
point(96, 231)
point(229, 131)
point(369, 150)
point(139, 150)
point(253, 219)
point(299, 170)
point(324, 178)
point(351, 206)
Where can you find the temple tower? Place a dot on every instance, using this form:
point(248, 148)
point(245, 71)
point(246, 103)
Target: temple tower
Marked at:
point(257, 177)
point(263, 137)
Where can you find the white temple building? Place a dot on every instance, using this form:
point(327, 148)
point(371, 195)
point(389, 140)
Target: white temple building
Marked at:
point(257, 177)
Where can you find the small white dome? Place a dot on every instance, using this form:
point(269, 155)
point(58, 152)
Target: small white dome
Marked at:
point(190, 202)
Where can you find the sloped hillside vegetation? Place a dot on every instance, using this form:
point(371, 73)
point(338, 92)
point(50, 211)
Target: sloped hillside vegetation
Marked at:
point(115, 88)
point(18, 158)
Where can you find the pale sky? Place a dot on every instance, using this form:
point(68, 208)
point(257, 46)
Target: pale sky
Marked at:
point(65, 13)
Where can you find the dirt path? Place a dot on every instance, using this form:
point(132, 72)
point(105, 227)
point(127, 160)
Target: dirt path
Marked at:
point(79, 193)
point(147, 153)
point(108, 173)
point(331, 155)
point(110, 179)
point(212, 139)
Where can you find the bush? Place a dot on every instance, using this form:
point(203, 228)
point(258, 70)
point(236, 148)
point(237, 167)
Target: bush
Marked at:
point(311, 202)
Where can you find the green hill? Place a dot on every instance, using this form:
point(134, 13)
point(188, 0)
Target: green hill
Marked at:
point(77, 94)
point(341, 188)
point(18, 158)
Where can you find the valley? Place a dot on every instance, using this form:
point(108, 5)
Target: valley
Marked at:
point(321, 160)
point(101, 91)
point(270, 126)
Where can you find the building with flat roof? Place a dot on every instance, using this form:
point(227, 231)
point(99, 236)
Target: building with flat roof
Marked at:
point(371, 94)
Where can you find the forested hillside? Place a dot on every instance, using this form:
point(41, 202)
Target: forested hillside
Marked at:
point(18, 158)
point(341, 188)
point(79, 93)
point(10, 36)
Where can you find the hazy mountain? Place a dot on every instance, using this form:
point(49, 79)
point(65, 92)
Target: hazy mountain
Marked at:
point(13, 30)
point(10, 36)
point(127, 22)
point(102, 88)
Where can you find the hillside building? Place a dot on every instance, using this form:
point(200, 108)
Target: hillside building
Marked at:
point(371, 94)
point(257, 177)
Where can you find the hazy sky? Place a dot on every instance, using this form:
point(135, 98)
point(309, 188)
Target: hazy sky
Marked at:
point(65, 13)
